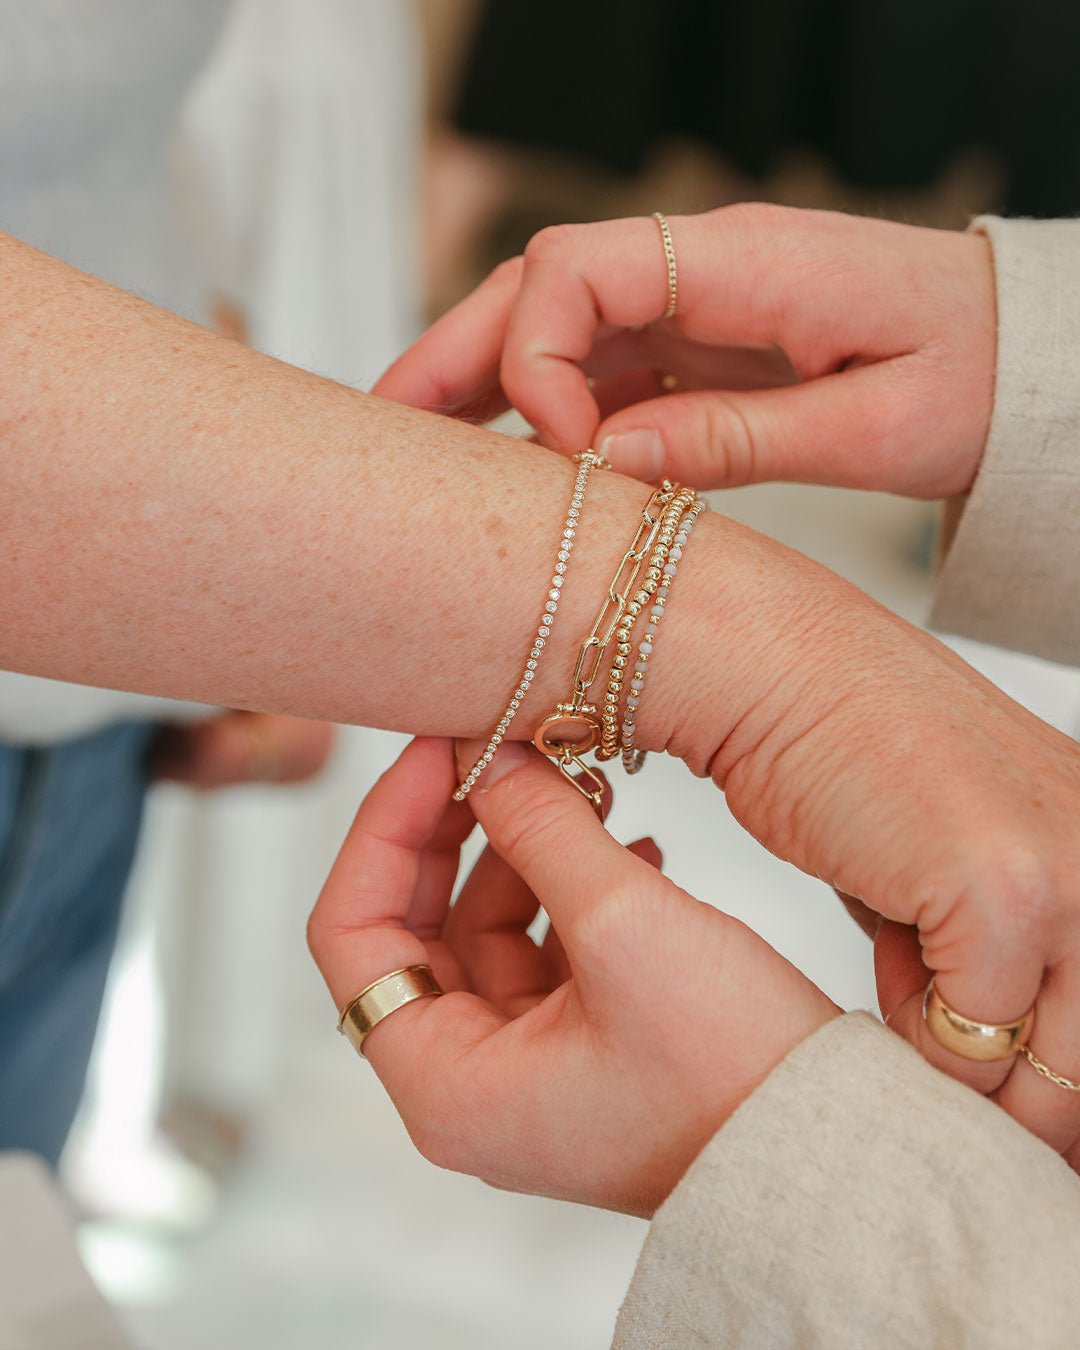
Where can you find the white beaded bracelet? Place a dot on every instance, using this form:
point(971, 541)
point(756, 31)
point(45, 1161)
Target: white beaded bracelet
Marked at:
point(632, 760)
point(586, 462)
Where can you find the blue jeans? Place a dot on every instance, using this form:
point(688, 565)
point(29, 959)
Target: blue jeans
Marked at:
point(69, 820)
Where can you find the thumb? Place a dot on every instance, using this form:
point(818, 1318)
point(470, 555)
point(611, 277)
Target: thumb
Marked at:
point(845, 430)
point(550, 835)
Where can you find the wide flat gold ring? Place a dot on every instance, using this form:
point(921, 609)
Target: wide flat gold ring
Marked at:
point(382, 997)
point(982, 1041)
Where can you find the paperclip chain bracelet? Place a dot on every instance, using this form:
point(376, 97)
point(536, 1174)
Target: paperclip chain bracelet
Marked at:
point(673, 512)
point(586, 462)
point(576, 717)
point(633, 759)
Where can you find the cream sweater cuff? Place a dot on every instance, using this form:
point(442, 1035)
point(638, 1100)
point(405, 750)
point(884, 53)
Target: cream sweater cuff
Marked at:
point(861, 1198)
point(1009, 576)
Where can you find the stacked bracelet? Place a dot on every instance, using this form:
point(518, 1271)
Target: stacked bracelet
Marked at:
point(681, 501)
point(573, 728)
point(633, 759)
point(576, 726)
point(586, 463)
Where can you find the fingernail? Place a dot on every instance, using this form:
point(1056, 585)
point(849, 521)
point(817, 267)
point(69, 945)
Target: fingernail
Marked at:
point(637, 453)
point(510, 755)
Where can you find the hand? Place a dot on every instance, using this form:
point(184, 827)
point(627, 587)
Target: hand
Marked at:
point(241, 747)
point(594, 1067)
point(814, 347)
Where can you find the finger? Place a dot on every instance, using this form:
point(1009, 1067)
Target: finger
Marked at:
point(241, 747)
point(212, 754)
point(842, 429)
point(394, 853)
point(898, 966)
point(866, 918)
point(902, 978)
point(548, 833)
point(626, 388)
point(1042, 1106)
point(570, 291)
point(456, 362)
point(749, 277)
point(486, 931)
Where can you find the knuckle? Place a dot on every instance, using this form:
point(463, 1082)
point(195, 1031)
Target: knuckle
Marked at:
point(315, 932)
point(550, 242)
point(756, 218)
point(434, 1140)
point(729, 440)
point(507, 273)
point(1007, 891)
point(533, 823)
point(1018, 893)
point(615, 924)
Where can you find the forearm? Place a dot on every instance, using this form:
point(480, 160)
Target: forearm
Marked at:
point(186, 517)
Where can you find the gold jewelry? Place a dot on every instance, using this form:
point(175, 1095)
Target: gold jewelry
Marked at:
point(1047, 1072)
point(586, 462)
point(654, 575)
point(669, 259)
point(573, 728)
point(633, 760)
point(382, 997)
point(983, 1041)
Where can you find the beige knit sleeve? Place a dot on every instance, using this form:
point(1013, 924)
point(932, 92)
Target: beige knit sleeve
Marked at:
point(1011, 574)
point(861, 1199)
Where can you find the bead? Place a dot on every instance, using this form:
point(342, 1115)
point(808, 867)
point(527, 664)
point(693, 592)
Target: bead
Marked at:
point(619, 662)
point(675, 555)
point(649, 589)
point(623, 648)
point(657, 609)
point(637, 685)
point(640, 599)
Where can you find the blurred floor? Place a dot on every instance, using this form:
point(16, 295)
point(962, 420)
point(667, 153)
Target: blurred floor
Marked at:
point(334, 1234)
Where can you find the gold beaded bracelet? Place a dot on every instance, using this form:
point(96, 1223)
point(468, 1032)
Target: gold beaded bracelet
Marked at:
point(673, 512)
point(586, 462)
point(632, 758)
point(573, 728)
